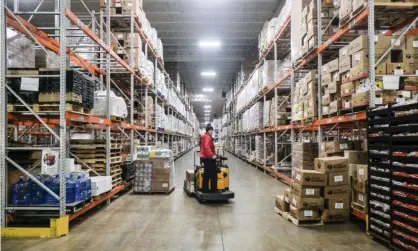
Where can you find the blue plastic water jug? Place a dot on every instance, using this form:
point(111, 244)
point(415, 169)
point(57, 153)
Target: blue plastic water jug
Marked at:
point(20, 192)
point(53, 183)
point(37, 193)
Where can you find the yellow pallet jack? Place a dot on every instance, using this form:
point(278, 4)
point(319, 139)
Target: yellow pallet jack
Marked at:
point(223, 193)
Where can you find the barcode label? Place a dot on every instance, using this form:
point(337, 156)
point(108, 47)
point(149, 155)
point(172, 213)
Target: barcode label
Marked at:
point(361, 171)
point(310, 191)
point(339, 205)
point(308, 213)
point(338, 178)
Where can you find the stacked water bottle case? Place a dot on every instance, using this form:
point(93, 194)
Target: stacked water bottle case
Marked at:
point(28, 192)
point(393, 175)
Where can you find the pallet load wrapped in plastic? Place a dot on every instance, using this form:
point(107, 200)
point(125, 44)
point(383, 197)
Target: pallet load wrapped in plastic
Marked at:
point(259, 148)
point(269, 76)
point(21, 51)
point(117, 105)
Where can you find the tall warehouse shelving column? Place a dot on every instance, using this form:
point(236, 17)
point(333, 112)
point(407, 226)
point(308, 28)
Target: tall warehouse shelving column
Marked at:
point(3, 116)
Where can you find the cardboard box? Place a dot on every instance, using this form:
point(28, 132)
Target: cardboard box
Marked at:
point(190, 175)
point(344, 65)
point(309, 178)
point(331, 147)
point(303, 26)
point(311, 29)
point(358, 44)
point(356, 157)
point(305, 214)
point(333, 65)
point(360, 57)
point(338, 179)
point(335, 106)
point(303, 202)
point(359, 185)
point(331, 164)
point(346, 7)
point(347, 89)
point(346, 102)
point(344, 53)
point(335, 76)
point(326, 99)
point(342, 203)
point(311, 76)
point(382, 42)
point(326, 79)
point(359, 69)
point(360, 99)
point(335, 215)
point(287, 195)
point(362, 172)
point(305, 11)
point(337, 192)
point(383, 97)
point(281, 204)
point(306, 192)
point(334, 87)
point(352, 170)
point(360, 198)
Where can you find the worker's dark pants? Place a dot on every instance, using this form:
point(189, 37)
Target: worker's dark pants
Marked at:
point(211, 173)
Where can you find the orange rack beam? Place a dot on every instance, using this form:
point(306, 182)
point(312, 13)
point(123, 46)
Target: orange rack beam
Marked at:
point(50, 43)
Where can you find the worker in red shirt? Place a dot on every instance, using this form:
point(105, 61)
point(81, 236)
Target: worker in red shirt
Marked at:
point(208, 158)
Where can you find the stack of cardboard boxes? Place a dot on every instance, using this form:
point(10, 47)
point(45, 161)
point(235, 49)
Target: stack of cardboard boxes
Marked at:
point(123, 7)
point(309, 24)
point(331, 82)
point(358, 171)
point(306, 101)
point(304, 154)
point(305, 199)
point(337, 191)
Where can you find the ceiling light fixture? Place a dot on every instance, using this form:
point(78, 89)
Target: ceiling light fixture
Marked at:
point(207, 106)
point(208, 44)
point(208, 74)
point(208, 89)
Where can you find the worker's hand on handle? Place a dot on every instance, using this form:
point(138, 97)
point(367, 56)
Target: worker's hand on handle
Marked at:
point(214, 157)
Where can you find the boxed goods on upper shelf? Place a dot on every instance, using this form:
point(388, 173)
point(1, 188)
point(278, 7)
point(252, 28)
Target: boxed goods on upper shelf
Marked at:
point(20, 51)
point(117, 105)
point(272, 28)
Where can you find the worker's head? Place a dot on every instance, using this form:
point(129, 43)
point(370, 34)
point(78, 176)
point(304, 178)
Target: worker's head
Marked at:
point(209, 129)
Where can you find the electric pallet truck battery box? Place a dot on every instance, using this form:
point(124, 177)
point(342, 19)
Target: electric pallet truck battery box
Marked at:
point(331, 164)
point(305, 214)
point(190, 175)
point(310, 178)
point(281, 204)
point(305, 192)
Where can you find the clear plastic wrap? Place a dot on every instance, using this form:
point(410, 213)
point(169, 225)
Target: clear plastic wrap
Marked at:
point(117, 105)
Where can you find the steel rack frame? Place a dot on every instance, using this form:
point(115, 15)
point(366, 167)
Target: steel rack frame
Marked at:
point(59, 123)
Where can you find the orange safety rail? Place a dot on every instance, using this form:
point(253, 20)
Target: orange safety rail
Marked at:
point(50, 43)
point(96, 202)
point(76, 21)
point(342, 119)
point(359, 214)
point(413, 32)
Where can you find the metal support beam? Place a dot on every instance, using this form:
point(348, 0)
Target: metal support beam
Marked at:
point(3, 113)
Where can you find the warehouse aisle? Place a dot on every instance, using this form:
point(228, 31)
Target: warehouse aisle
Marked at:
point(177, 222)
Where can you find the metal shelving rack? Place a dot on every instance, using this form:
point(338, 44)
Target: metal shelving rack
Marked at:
point(100, 22)
point(322, 127)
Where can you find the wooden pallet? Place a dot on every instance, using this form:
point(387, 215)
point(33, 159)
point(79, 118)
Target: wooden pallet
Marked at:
point(18, 108)
point(91, 146)
point(353, 14)
point(113, 160)
point(116, 118)
point(56, 107)
point(156, 192)
point(299, 223)
point(48, 97)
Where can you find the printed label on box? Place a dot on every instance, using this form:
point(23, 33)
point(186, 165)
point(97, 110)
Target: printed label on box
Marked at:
point(396, 42)
point(415, 43)
point(308, 213)
point(338, 178)
point(339, 205)
point(343, 146)
point(286, 199)
point(120, 36)
point(358, 57)
point(378, 101)
point(310, 191)
point(360, 197)
point(165, 185)
point(294, 202)
point(29, 84)
point(398, 72)
point(297, 176)
point(361, 171)
point(400, 100)
point(347, 104)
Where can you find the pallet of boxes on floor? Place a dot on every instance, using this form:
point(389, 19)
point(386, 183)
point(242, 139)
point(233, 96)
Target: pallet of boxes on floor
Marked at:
point(325, 188)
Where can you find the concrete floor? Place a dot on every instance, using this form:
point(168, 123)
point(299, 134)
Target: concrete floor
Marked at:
point(177, 222)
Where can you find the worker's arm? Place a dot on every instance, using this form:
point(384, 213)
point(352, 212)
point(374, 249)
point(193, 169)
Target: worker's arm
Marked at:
point(208, 148)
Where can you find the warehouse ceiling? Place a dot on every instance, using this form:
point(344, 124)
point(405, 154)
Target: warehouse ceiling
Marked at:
point(182, 24)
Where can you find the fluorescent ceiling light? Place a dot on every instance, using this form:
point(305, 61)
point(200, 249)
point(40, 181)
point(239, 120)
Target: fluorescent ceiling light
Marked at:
point(208, 89)
point(207, 106)
point(209, 43)
point(208, 73)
